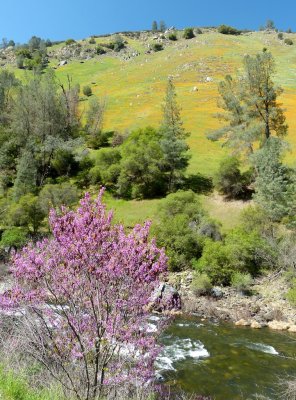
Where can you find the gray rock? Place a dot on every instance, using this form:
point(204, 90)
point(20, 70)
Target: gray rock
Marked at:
point(217, 293)
point(62, 63)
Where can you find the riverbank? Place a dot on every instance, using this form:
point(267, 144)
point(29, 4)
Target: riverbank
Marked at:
point(265, 305)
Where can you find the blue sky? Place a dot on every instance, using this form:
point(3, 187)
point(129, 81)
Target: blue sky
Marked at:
point(61, 19)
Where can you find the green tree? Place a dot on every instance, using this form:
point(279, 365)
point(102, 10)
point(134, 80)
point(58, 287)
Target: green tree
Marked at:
point(162, 26)
point(94, 121)
point(173, 143)
point(141, 174)
point(250, 103)
point(275, 185)
point(154, 26)
point(270, 25)
point(179, 218)
point(55, 196)
point(230, 181)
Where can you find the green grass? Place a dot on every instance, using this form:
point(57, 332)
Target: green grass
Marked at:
point(14, 387)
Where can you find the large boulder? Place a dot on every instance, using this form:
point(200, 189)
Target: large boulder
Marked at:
point(165, 297)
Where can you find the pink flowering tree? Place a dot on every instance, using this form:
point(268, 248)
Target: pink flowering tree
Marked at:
point(83, 295)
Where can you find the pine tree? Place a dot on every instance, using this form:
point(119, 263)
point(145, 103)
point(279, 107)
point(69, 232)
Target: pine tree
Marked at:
point(250, 103)
point(162, 26)
point(154, 26)
point(173, 144)
point(275, 184)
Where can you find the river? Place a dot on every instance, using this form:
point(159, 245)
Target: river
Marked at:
point(225, 361)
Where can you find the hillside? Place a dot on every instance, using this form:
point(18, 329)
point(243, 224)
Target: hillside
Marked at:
point(133, 82)
point(135, 87)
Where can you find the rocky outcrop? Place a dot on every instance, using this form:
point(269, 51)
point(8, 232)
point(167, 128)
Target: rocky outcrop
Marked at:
point(165, 297)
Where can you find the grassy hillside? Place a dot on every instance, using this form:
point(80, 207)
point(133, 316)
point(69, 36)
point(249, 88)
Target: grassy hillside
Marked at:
point(134, 90)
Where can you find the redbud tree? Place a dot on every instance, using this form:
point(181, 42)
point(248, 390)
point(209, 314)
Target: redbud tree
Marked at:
point(83, 296)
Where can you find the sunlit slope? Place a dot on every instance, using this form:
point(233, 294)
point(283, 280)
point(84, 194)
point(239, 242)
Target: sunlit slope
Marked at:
point(134, 89)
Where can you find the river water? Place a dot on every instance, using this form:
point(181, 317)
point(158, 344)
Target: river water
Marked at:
point(225, 361)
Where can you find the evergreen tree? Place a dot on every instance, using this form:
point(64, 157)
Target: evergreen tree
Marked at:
point(162, 26)
point(173, 144)
point(250, 103)
point(154, 26)
point(275, 185)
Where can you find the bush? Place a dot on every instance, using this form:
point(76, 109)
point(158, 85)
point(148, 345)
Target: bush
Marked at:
point(100, 50)
point(157, 47)
point(289, 42)
point(230, 181)
point(68, 42)
point(92, 41)
point(172, 37)
point(188, 33)
point(280, 36)
point(14, 237)
point(87, 91)
point(291, 295)
point(241, 281)
point(228, 30)
point(180, 217)
point(201, 284)
point(118, 43)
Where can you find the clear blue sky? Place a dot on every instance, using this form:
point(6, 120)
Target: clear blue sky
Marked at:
point(61, 19)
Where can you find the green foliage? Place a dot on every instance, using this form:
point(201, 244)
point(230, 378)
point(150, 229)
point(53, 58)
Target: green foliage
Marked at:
point(100, 50)
point(27, 213)
point(177, 230)
point(118, 43)
point(242, 251)
point(291, 295)
point(154, 27)
point(92, 40)
point(173, 143)
point(107, 167)
point(87, 91)
point(68, 42)
point(57, 195)
point(241, 281)
point(162, 26)
point(230, 181)
point(251, 109)
point(156, 47)
point(141, 173)
point(173, 37)
point(289, 42)
point(188, 33)
point(201, 284)
point(270, 25)
point(96, 138)
point(14, 237)
point(228, 30)
point(64, 163)
point(275, 184)
point(280, 36)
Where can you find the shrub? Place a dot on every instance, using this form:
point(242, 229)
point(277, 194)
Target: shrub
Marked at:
point(280, 36)
point(92, 41)
point(100, 50)
point(14, 237)
point(289, 42)
point(173, 37)
point(118, 43)
point(68, 42)
point(291, 295)
point(180, 217)
point(201, 284)
point(157, 47)
point(230, 181)
point(228, 30)
point(241, 281)
point(188, 33)
point(87, 91)
point(20, 62)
